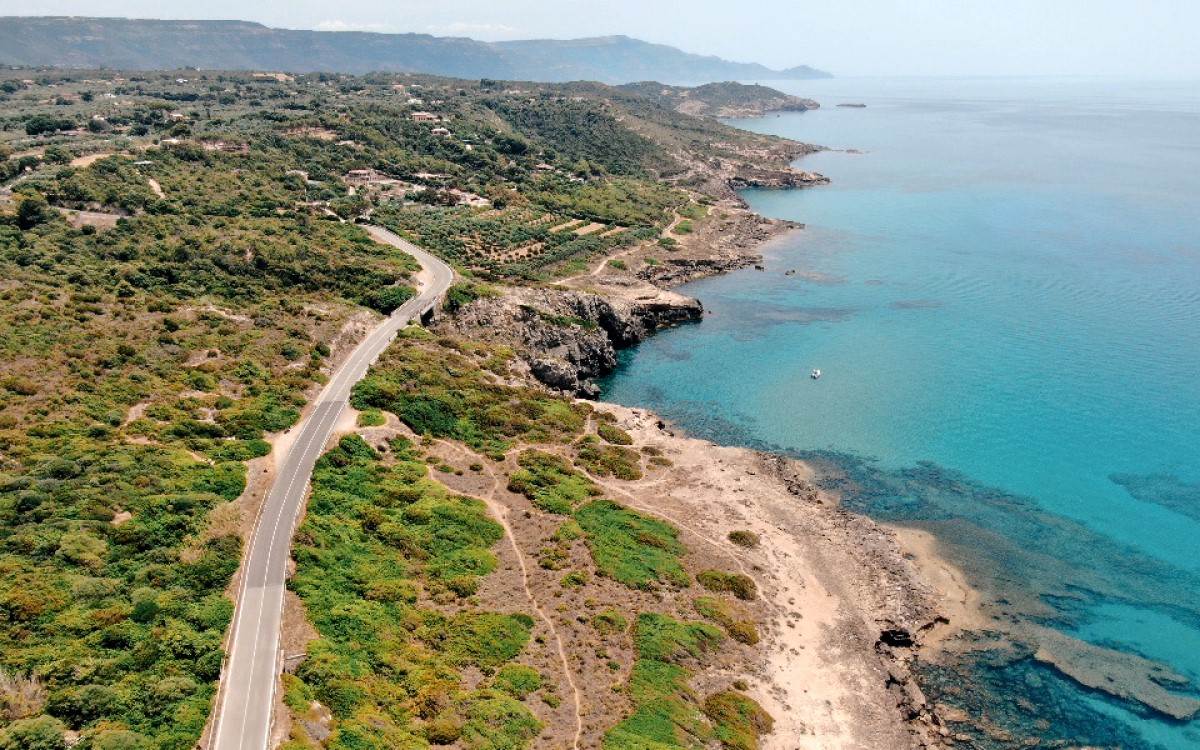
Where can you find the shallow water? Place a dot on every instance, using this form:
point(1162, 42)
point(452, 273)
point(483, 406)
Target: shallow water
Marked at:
point(1003, 294)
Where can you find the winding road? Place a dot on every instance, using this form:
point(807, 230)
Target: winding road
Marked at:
point(253, 664)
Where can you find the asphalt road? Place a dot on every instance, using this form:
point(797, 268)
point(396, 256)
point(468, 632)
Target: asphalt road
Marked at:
point(253, 664)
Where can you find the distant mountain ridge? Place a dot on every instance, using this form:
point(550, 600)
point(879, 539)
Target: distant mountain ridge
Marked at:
point(144, 44)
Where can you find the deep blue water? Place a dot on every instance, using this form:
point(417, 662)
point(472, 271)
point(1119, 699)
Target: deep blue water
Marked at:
point(1003, 294)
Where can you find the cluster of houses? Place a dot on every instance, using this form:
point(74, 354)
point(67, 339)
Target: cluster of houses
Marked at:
point(429, 117)
point(389, 187)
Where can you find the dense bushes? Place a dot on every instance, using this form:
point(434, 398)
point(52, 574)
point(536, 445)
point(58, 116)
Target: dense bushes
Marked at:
point(377, 535)
point(584, 130)
point(446, 394)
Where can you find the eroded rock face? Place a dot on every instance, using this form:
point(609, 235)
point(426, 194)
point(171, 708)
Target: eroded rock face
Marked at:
point(568, 338)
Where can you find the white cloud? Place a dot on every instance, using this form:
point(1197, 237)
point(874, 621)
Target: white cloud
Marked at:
point(340, 25)
point(477, 30)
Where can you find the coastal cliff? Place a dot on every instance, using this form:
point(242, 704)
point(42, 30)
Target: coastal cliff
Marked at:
point(566, 337)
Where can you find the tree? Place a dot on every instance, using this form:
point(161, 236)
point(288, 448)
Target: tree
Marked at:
point(32, 210)
point(56, 155)
point(39, 733)
point(39, 124)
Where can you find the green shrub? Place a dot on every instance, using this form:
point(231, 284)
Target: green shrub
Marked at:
point(737, 719)
point(607, 460)
point(517, 680)
point(743, 538)
point(387, 299)
point(741, 586)
point(37, 733)
point(118, 739)
point(613, 434)
point(496, 721)
point(609, 622)
point(574, 579)
point(464, 293)
point(568, 531)
point(665, 715)
point(446, 394)
point(661, 638)
point(371, 418)
point(376, 535)
point(736, 624)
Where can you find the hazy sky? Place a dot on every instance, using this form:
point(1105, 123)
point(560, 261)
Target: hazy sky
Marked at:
point(1150, 38)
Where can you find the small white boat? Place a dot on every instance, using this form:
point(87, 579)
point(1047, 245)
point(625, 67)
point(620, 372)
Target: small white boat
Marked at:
point(815, 374)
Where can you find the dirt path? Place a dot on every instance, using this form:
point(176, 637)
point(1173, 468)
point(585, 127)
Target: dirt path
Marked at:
point(153, 183)
point(500, 512)
point(89, 160)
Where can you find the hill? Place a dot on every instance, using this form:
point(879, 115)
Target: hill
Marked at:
point(138, 44)
point(725, 99)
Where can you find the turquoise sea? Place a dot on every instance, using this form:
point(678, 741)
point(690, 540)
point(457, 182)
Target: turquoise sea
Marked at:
point(1002, 291)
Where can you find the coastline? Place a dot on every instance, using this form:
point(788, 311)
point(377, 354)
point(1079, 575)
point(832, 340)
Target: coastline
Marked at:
point(979, 622)
point(846, 608)
point(852, 605)
point(973, 623)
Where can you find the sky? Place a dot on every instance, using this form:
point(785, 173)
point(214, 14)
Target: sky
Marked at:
point(1132, 38)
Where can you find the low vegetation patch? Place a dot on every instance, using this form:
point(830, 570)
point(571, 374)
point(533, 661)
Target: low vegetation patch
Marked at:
point(742, 538)
point(630, 548)
point(735, 622)
point(741, 586)
point(665, 712)
point(371, 418)
point(610, 433)
point(550, 482)
point(607, 460)
point(464, 293)
point(609, 622)
point(737, 719)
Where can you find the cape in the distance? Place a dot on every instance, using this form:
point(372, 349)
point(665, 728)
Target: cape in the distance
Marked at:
point(144, 44)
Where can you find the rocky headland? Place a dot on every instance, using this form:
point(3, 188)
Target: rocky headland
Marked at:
point(727, 99)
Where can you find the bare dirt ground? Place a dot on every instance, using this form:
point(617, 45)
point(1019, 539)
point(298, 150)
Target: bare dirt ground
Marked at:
point(89, 159)
point(97, 219)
